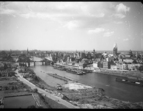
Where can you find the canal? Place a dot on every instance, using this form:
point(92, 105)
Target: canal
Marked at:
point(112, 88)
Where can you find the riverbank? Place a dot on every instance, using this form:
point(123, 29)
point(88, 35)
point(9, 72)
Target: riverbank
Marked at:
point(136, 75)
point(83, 100)
point(92, 97)
point(47, 94)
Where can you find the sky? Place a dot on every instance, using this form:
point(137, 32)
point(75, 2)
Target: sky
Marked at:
point(71, 25)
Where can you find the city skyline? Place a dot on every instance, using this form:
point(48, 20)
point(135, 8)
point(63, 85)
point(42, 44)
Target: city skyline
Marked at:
point(71, 25)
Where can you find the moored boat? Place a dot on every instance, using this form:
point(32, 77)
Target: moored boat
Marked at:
point(129, 81)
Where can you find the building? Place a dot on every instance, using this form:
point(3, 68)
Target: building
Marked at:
point(115, 50)
point(125, 66)
point(113, 67)
point(128, 61)
point(106, 65)
point(100, 64)
point(119, 66)
point(95, 65)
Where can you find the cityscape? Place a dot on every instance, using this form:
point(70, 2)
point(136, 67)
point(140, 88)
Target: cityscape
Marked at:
point(77, 55)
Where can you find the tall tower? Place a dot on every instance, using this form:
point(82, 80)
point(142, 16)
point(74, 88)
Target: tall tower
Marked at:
point(115, 50)
point(27, 51)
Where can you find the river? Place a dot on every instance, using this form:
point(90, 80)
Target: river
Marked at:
point(107, 82)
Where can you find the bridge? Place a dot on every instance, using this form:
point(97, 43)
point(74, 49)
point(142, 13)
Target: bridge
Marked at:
point(29, 60)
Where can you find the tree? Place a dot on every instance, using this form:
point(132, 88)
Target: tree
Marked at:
point(134, 61)
point(141, 68)
point(40, 107)
point(6, 88)
point(32, 106)
point(5, 66)
point(35, 90)
point(131, 54)
point(89, 55)
point(36, 78)
point(13, 88)
point(83, 55)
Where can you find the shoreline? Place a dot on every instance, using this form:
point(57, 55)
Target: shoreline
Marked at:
point(122, 74)
point(123, 103)
point(136, 75)
point(47, 94)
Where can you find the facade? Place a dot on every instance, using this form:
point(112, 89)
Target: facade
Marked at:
point(100, 64)
point(133, 66)
point(113, 67)
point(125, 67)
point(95, 65)
point(106, 65)
point(120, 66)
point(128, 60)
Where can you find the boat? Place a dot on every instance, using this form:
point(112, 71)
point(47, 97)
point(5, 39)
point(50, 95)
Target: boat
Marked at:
point(137, 83)
point(129, 81)
point(96, 70)
point(80, 73)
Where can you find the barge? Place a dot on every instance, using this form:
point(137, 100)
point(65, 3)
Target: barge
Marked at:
point(60, 77)
point(129, 81)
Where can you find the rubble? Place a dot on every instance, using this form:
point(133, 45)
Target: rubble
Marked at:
point(94, 98)
point(76, 86)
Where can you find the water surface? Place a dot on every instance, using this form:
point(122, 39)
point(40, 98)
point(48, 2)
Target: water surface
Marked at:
point(107, 82)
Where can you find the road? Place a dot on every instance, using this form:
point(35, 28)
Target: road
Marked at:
point(53, 97)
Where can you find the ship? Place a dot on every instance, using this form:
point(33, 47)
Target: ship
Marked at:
point(129, 81)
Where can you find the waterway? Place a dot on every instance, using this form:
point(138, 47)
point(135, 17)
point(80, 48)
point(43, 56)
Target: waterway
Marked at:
point(107, 82)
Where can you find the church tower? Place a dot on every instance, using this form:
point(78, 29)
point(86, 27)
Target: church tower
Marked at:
point(27, 51)
point(115, 50)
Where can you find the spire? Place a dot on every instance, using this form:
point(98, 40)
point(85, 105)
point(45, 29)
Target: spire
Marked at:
point(115, 50)
point(27, 50)
point(115, 45)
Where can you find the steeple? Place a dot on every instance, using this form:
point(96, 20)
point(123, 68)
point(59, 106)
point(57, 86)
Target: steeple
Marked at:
point(27, 51)
point(115, 50)
point(115, 45)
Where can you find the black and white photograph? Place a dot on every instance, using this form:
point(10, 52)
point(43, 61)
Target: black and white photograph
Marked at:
point(71, 55)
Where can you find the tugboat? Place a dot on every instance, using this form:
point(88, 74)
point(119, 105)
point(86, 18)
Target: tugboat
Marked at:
point(130, 81)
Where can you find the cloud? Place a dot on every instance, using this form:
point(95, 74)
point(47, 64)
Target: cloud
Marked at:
point(100, 15)
point(120, 11)
point(122, 8)
point(119, 16)
point(7, 11)
point(71, 25)
point(126, 39)
point(87, 14)
point(97, 30)
point(35, 15)
point(107, 34)
point(118, 22)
